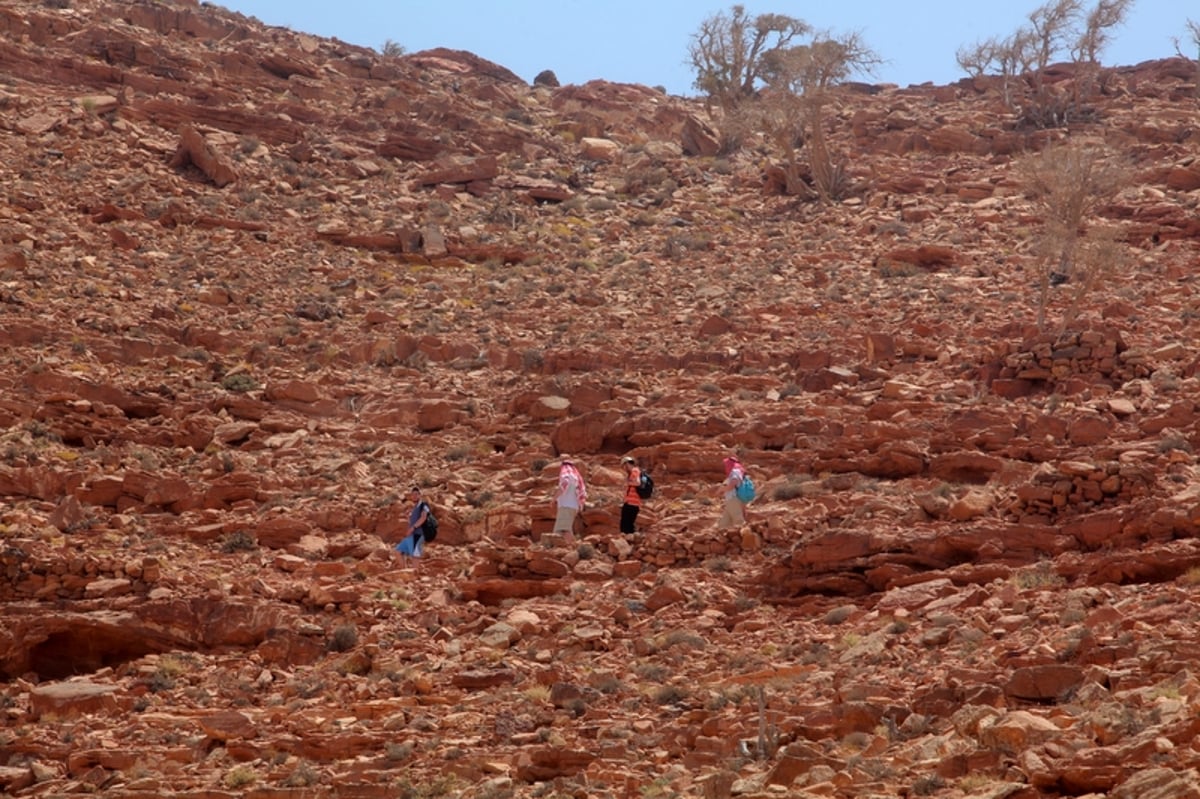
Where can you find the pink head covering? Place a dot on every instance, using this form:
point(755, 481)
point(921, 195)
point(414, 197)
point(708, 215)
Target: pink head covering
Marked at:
point(567, 467)
point(731, 462)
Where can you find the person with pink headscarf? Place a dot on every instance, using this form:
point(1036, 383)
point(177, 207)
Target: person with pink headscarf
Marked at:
point(733, 513)
point(571, 497)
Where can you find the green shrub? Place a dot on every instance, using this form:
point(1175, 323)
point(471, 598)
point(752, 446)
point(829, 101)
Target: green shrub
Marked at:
point(239, 382)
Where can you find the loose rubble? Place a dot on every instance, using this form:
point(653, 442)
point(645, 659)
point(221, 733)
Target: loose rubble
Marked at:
point(254, 283)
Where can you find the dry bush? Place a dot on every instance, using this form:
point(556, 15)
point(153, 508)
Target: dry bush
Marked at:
point(1100, 255)
point(1067, 183)
point(344, 638)
point(1056, 29)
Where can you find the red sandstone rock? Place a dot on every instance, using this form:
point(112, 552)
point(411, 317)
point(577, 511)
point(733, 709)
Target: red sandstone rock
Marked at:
point(212, 404)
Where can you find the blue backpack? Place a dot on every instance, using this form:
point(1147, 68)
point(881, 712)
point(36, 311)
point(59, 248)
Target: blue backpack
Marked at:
point(745, 489)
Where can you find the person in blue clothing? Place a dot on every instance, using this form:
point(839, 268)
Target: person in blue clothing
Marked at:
point(413, 544)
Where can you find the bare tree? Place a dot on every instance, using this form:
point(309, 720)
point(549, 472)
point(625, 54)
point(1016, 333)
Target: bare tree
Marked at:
point(1011, 57)
point(760, 80)
point(1194, 31)
point(1057, 28)
point(1095, 36)
point(801, 81)
point(1052, 25)
point(727, 52)
point(1068, 182)
point(1194, 28)
point(392, 49)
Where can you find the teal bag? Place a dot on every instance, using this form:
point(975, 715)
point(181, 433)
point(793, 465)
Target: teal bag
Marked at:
point(745, 489)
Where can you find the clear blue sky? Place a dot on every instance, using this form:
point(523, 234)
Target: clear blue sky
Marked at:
point(646, 41)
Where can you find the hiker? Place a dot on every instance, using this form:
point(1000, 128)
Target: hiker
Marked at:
point(570, 498)
point(633, 502)
point(733, 513)
point(413, 544)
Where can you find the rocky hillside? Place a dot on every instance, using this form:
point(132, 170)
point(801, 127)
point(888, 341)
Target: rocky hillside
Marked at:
point(255, 283)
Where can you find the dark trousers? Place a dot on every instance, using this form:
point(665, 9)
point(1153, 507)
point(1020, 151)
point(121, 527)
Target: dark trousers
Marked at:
point(628, 517)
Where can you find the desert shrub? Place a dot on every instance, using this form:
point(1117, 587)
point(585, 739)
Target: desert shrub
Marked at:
point(159, 681)
point(669, 695)
point(742, 603)
point(651, 672)
point(683, 638)
point(518, 115)
point(533, 360)
point(239, 541)
point(928, 785)
point(789, 490)
point(459, 453)
point(303, 776)
point(537, 693)
point(396, 752)
point(1040, 576)
point(608, 684)
point(240, 777)
point(239, 382)
point(478, 499)
point(344, 638)
point(682, 245)
point(719, 564)
point(1174, 440)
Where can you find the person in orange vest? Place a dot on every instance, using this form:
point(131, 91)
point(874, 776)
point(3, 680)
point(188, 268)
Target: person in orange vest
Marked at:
point(633, 502)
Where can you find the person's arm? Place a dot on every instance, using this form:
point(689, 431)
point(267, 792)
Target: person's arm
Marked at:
point(412, 528)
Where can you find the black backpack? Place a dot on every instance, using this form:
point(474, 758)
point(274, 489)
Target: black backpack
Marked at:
point(645, 487)
point(430, 527)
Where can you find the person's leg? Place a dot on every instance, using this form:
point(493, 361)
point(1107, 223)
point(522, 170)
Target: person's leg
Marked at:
point(737, 512)
point(628, 514)
point(564, 520)
point(724, 521)
point(405, 548)
point(731, 515)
